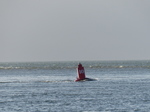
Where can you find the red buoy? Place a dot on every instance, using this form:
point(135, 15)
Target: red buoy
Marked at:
point(80, 73)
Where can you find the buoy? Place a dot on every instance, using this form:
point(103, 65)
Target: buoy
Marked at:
point(80, 73)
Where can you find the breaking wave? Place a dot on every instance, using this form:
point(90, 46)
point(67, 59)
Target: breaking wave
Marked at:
point(73, 65)
point(40, 81)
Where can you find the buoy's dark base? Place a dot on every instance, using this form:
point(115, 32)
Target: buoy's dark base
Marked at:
point(86, 79)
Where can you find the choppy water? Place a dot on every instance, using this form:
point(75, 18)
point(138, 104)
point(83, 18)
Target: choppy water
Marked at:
point(120, 86)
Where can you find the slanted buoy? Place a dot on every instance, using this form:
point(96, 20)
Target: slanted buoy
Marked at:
point(80, 73)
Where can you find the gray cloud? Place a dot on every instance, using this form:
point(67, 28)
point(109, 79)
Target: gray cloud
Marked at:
point(74, 30)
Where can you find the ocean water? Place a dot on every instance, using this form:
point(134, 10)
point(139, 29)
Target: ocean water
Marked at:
point(120, 86)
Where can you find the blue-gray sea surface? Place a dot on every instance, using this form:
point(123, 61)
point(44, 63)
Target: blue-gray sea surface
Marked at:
point(120, 86)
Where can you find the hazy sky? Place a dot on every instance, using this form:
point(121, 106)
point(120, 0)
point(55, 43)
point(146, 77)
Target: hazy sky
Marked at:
point(62, 30)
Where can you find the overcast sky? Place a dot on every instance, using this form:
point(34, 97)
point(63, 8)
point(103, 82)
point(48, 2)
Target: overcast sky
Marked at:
point(72, 30)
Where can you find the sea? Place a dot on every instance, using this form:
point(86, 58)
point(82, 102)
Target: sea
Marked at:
point(118, 86)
